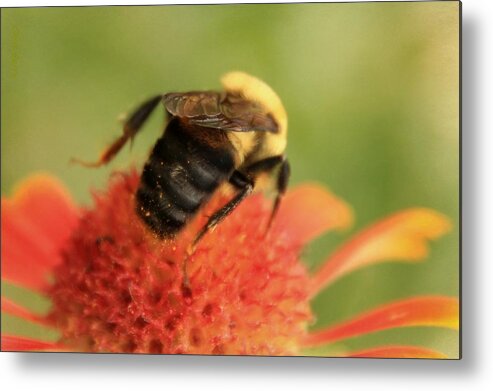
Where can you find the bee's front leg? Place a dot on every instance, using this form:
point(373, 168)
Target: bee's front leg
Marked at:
point(130, 129)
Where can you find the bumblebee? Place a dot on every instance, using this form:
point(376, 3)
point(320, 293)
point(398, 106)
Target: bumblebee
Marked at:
point(211, 138)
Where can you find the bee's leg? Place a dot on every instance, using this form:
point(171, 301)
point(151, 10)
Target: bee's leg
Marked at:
point(245, 186)
point(130, 129)
point(282, 184)
point(269, 165)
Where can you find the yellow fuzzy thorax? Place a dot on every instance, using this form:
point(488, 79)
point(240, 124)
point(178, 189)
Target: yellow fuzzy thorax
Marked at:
point(256, 90)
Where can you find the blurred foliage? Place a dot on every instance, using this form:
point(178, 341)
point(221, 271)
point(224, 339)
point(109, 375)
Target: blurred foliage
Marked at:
point(371, 90)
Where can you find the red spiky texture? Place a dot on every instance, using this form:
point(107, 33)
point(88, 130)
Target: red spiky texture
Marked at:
point(120, 288)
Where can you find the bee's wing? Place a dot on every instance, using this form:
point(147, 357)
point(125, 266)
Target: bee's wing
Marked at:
point(218, 111)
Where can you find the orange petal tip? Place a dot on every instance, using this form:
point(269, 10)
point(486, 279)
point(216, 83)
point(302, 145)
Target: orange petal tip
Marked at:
point(429, 311)
point(40, 184)
point(401, 237)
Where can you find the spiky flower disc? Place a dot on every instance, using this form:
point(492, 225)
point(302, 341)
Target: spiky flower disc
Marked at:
point(121, 289)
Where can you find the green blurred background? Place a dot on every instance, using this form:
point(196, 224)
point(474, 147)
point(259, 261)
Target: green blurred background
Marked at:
point(371, 90)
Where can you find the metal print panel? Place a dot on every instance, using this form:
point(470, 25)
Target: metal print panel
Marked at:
point(284, 179)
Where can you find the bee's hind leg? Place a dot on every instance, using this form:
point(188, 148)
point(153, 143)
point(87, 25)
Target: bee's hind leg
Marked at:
point(283, 171)
point(130, 129)
point(245, 186)
point(281, 186)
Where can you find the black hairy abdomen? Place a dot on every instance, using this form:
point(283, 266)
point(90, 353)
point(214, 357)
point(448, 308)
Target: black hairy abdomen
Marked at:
point(181, 174)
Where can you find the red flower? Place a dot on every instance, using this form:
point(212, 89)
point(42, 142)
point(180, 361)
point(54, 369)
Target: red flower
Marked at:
point(114, 287)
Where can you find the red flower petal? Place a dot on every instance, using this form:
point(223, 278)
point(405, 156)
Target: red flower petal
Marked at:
point(35, 223)
point(400, 237)
point(310, 210)
point(14, 309)
point(14, 344)
point(438, 311)
point(398, 352)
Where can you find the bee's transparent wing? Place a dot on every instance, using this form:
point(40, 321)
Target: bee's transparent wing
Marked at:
point(219, 111)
